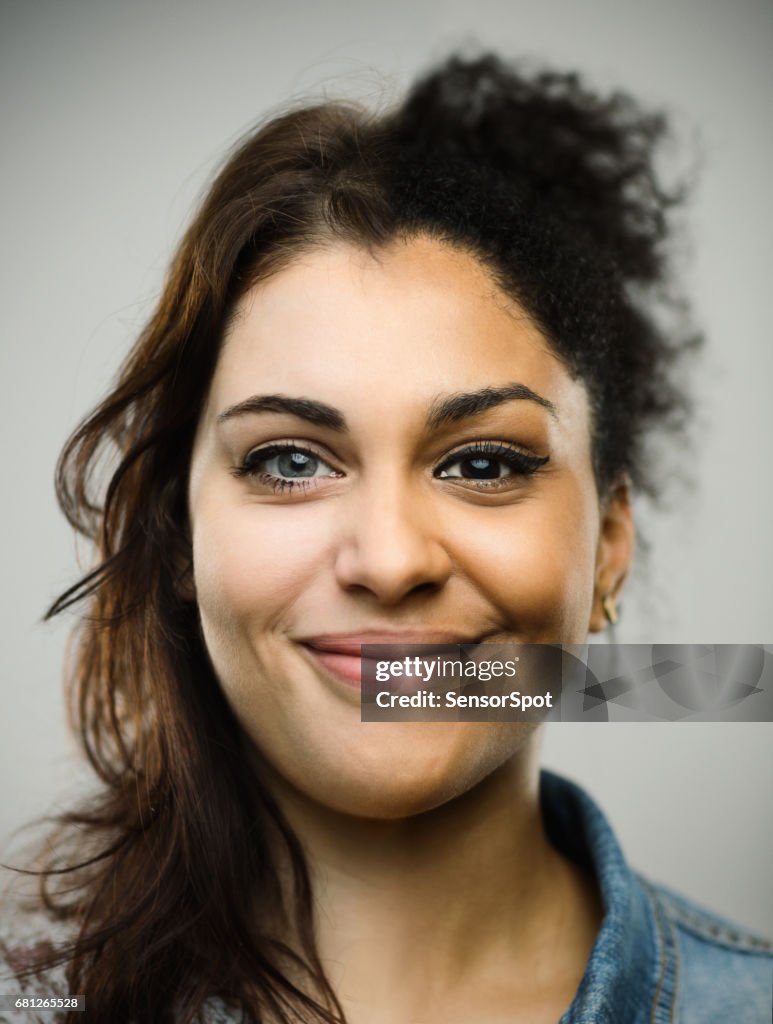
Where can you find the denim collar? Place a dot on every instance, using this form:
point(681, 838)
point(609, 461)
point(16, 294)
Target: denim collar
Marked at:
point(630, 969)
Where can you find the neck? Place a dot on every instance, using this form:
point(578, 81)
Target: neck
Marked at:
point(410, 910)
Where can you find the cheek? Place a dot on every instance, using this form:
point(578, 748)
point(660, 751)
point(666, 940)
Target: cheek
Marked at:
point(537, 564)
point(252, 562)
point(251, 566)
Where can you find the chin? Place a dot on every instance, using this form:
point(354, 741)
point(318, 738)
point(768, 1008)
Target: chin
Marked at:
point(387, 800)
point(420, 769)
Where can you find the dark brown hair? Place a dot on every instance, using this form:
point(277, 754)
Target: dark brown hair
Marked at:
point(180, 878)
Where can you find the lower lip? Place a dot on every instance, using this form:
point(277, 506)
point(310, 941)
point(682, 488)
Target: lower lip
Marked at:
point(345, 667)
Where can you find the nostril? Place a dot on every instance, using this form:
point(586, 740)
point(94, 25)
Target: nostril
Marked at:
point(428, 587)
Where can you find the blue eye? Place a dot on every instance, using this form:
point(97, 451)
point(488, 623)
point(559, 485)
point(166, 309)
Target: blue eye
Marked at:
point(284, 465)
point(293, 464)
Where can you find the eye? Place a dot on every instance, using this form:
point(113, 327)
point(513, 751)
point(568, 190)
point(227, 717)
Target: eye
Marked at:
point(284, 466)
point(489, 461)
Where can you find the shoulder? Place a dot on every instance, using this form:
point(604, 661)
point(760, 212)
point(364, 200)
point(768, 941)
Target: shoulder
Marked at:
point(26, 935)
point(722, 971)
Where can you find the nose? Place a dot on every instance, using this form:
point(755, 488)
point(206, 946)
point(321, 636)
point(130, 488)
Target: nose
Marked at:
point(391, 546)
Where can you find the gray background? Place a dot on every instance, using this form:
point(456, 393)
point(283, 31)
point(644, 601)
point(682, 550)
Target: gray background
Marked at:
point(114, 116)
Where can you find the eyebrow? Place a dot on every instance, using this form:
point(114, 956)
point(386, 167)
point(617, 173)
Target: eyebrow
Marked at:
point(318, 413)
point(460, 406)
point(472, 403)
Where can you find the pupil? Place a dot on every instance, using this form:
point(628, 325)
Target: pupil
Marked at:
point(296, 464)
point(480, 469)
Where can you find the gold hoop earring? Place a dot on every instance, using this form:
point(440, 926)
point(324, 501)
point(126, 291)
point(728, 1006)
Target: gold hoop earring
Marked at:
point(609, 605)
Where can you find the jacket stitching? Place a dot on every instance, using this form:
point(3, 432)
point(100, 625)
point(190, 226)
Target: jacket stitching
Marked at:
point(661, 961)
point(665, 996)
point(717, 933)
point(677, 967)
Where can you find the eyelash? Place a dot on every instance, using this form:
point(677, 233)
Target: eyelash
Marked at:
point(278, 484)
point(520, 463)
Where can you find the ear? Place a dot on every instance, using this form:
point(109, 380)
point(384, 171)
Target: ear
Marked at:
point(614, 554)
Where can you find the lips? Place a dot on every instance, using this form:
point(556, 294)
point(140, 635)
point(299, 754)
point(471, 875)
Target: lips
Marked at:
point(341, 653)
point(346, 667)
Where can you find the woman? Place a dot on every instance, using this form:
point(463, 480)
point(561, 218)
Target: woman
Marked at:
point(397, 389)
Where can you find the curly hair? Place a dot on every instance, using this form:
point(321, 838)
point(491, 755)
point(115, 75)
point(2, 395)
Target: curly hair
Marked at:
point(554, 189)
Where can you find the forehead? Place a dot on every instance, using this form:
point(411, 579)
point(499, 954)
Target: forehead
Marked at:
point(387, 332)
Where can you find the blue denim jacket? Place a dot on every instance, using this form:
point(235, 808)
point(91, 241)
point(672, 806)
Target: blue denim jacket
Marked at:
point(657, 958)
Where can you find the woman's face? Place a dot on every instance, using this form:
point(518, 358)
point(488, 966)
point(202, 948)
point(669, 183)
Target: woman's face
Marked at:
point(390, 451)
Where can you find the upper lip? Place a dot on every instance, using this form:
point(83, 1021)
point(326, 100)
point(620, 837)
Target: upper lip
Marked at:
point(351, 643)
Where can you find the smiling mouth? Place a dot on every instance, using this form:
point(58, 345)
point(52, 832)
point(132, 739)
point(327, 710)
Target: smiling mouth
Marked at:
point(341, 654)
point(347, 668)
